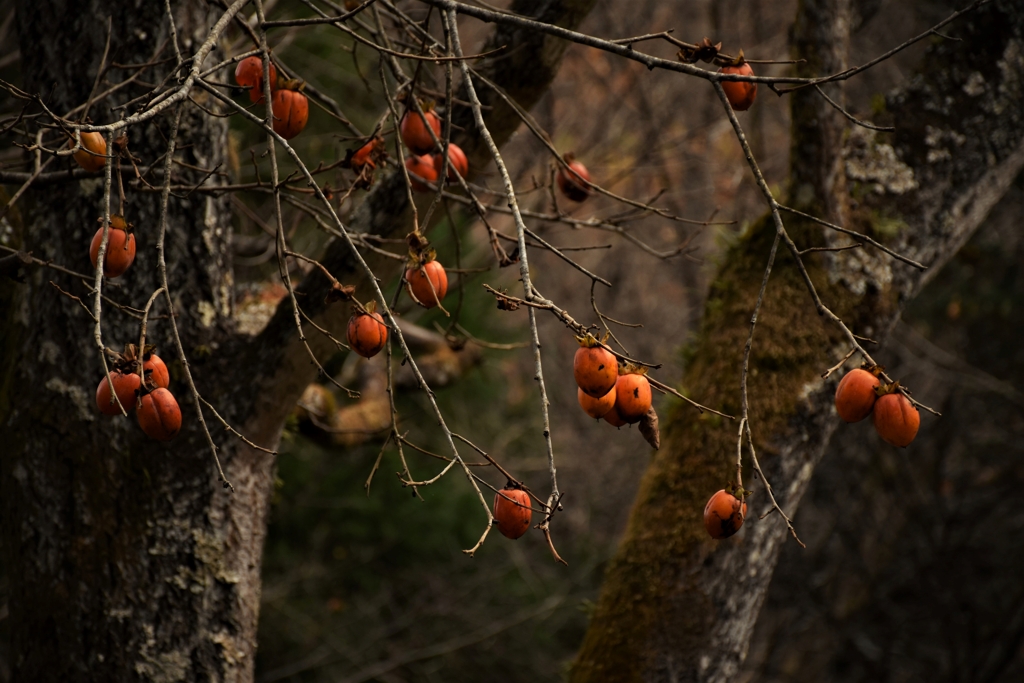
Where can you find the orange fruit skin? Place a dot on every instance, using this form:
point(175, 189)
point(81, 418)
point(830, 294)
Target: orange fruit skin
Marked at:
point(159, 415)
point(595, 370)
point(513, 518)
point(364, 156)
point(422, 166)
point(367, 334)
point(632, 397)
point(855, 395)
point(249, 74)
point(740, 95)
point(291, 113)
point(93, 142)
point(421, 279)
point(723, 516)
point(596, 407)
point(613, 418)
point(120, 251)
point(457, 161)
point(156, 370)
point(125, 385)
point(569, 181)
point(896, 419)
point(415, 134)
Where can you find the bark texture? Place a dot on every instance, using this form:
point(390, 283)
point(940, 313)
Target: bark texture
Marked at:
point(128, 561)
point(676, 606)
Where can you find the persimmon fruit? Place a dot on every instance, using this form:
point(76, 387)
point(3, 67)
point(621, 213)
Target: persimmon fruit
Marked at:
point(364, 156)
point(740, 94)
point(291, 113)
point(457, 161)
point(632, 396)
point(613, 418)
point(428, 283)
point(596, 407)
point(896, 419)
point(125, 386)
point(159, 415)
point(594, 368)
point(415, 134)
point(855, 395)
point(156, 370)
point(421, 168)
point(367, 333)
point(723, 515)
point(91, 155)
point(120, 248)
point(249, 74)
point(512, 516)
point(573, 181)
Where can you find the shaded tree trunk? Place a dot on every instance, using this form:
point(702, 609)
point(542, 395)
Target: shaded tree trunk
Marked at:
point(675, 606)
point(127, 559)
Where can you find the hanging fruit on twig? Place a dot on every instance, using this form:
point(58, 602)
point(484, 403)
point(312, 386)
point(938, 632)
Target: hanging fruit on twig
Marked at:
point(594, 367)
point(739, 93)
point(895, 417)
point(91, 156)
point(249, 74)
point(367, 333)
point(724, 514)
point(512, 511)
point(574, 182)
point(120, 247)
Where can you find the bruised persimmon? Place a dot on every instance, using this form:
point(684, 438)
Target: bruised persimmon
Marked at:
point(414, 130)
point(724, 514)
point(596, 407)
point(91, 155)
point(120, 248)
point(156, 370)
point(574, 181)
point(367, 155)
point(632, 395)
point(421, 168)
point(249, 74)
point(125, 386)
point(367, 333)
point(594, 367)
point(159, 415)
point(896, 419)
point(739, 93)
point(512, 516)
point(855, 395)
point(291, 112)
point(428, 283)
point(457, 161)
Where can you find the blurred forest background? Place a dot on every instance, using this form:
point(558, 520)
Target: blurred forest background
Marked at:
point(911, 570)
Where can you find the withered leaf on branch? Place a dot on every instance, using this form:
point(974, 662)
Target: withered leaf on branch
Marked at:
point(649, 428)
point(703, 51)
point(339, 292)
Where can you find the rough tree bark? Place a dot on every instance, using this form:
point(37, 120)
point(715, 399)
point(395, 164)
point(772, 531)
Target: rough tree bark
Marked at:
point(676, 606)
point(127, 559)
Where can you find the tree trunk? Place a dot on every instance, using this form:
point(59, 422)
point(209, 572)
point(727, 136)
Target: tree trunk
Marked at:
point(676, 606)
point(127, 559)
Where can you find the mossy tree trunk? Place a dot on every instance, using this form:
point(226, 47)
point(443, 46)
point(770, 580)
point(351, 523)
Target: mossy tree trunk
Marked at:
point(127, 559)
point(675, 605)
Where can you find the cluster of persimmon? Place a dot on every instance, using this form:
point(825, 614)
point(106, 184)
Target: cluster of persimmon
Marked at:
point(426, 160)
point(861, 393)
point(512, 512)
point(147, 394)
point(618, 394)
point(289, 106)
